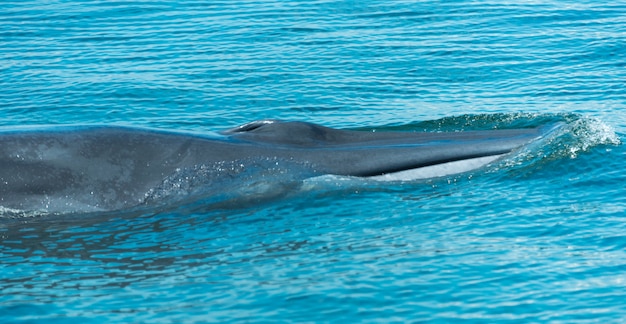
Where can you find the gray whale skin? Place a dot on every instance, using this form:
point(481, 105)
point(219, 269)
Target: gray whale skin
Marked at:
point(105, 168)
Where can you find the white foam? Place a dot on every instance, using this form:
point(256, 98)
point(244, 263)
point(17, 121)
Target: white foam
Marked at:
point(591, 132)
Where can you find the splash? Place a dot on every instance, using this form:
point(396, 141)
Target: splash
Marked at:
point(237, 182)
point(589, 132)
point(575, 135)
point(11, 213)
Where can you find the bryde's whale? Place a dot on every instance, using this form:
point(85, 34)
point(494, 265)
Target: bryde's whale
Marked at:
point(105, 168)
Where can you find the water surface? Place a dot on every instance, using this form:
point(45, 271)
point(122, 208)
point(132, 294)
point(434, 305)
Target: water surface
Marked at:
point(535, 237)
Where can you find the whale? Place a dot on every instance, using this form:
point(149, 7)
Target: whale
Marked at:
point(70, 169)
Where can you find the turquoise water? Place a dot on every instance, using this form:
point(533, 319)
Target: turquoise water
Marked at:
point(537, 237)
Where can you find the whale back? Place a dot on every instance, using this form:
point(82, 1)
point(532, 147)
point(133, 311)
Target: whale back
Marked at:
point(306, 134)
point(103, 168)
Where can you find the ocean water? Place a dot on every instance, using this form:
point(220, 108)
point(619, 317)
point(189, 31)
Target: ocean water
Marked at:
point(536, 237)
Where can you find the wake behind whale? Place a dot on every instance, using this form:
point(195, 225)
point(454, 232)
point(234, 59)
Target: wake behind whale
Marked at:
point(79, 169)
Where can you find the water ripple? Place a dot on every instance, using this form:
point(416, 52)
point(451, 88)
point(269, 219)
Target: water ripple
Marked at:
point(535, 238)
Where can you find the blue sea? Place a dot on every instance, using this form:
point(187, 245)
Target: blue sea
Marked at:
point(539, 236)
